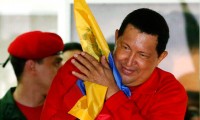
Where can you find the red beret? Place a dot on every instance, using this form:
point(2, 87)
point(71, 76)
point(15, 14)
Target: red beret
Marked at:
point(36, 45)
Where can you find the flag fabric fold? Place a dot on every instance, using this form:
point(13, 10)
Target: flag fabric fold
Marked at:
point(88, 106)
point(94, 43)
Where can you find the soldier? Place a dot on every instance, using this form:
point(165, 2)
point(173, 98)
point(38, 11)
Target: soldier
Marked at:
point(36, 58)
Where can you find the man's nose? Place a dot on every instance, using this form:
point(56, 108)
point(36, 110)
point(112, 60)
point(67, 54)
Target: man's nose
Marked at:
point(131, 59)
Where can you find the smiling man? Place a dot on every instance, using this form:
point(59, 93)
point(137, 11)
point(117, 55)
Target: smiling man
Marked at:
point(140, 45)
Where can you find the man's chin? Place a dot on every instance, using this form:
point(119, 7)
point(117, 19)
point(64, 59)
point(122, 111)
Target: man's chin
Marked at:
point(128, 82)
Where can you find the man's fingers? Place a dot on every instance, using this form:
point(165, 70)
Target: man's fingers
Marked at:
point(80, 66)
point(104, 62)
point(88, 61)
point(80, 76)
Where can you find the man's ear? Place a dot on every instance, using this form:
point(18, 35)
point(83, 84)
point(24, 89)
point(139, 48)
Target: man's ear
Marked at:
point(116, 35)
point(162, 56)
point(30, 65)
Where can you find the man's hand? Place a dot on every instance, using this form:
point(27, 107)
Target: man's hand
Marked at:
point(94, 71)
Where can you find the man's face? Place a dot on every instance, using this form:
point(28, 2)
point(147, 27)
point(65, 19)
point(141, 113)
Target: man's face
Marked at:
point(46, 71)
point(135, 55)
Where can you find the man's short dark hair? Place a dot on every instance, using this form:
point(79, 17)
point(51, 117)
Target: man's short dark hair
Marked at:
point(150, 22)
point(72, 46)
point(19, 64)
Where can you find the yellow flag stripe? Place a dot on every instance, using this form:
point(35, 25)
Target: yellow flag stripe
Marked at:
point(88, 24)
point(94, 43)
